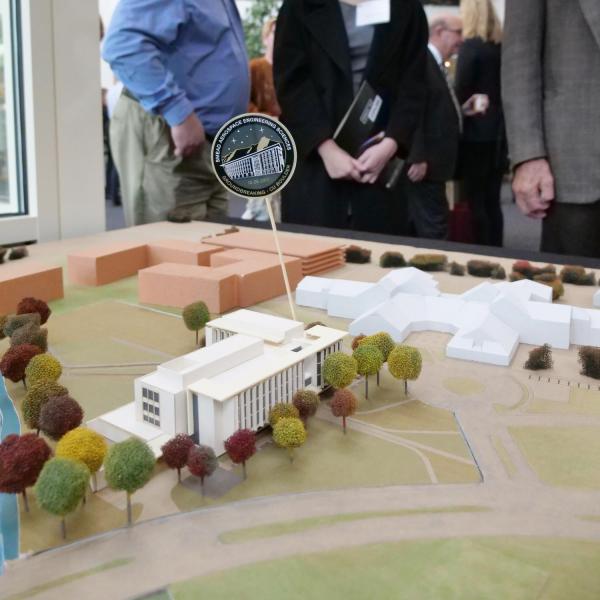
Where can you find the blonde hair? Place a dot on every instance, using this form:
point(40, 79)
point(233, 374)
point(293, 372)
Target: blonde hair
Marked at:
point(480, 20)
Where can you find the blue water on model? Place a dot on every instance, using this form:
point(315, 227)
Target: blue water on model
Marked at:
point(9, 508)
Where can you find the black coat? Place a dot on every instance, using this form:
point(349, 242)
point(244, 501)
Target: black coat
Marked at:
point(437, 137)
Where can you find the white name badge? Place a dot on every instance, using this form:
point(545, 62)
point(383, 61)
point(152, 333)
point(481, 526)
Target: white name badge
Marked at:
point(372, 12)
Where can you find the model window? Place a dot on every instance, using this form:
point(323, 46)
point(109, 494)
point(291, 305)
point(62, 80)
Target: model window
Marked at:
point(151, 408)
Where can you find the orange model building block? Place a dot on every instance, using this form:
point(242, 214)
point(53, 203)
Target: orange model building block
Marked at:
point(104, 264)
point(27, 278)
point(180, 251)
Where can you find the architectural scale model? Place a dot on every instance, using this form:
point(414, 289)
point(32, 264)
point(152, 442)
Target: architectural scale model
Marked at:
point(488, 322)
point(597, 298)
point(251, 362)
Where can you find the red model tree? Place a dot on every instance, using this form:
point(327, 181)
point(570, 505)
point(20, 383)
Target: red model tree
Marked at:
point(175, 452)
point(21, 460)
point(202, 462)
point(15, 361)
point(33, 305)
point(59, 415)
point(240, 447)
point(343, 404)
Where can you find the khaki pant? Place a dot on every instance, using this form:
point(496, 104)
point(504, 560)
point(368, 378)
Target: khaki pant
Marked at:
point(155, 182)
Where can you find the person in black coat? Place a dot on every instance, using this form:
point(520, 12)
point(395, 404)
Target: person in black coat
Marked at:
point(483, 160)
point(315, 73)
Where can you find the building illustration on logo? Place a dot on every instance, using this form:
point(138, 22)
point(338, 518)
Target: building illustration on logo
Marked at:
point(264, 158)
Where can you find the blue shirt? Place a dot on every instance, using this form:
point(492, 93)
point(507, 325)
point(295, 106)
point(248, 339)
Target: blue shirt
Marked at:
point(180, 56)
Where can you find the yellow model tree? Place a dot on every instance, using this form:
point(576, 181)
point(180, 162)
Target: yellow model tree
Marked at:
point(405, 362)
point(84, 445)
point(44, 368)
point(289, 432)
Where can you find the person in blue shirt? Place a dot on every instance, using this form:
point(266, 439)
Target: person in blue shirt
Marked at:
point(184, 68)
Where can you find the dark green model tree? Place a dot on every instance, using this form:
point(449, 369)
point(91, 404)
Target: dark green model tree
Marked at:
point(196, 316)
point(259, 12)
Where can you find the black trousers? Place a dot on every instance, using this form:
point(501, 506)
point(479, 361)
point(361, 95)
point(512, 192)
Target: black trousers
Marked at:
point(428, 210)
point(572, 229)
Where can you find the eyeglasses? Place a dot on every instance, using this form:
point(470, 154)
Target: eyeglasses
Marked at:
point(456, 31)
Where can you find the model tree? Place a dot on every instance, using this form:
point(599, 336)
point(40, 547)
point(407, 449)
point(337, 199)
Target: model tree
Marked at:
point(343, 404)
point(21, 460)
point(405, 362)
point(383, 341)
point(15, 361)
point(128, 467)
point(282, 410)
point(369, 360)
point(357, 340)
point(3, 321)
point(240, 447)
point(589, 358)
point(14, 322)
point(307, 403)
point(33, 305)
point(195, 317)
point(43, 367)
point(36, 397)
point(61, 487)
point(85, 445)
point(289, 433)
point(175, 452)
point(59, 415)
point(202, 462)
point(539, 358)
point(339, 370)
point(30, 334)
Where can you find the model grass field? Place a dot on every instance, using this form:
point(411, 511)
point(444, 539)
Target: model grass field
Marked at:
point(472, 426)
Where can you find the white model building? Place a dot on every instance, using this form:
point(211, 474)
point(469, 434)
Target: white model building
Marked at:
point(597, 298)
point(251, 361)
point(487, 322)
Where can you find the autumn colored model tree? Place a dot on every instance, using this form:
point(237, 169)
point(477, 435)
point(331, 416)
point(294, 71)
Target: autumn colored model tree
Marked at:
point(59, 415)
point(15, 361)
point(43, 367)
point(85, 445)
point(196, 316)
point(36, 397)
point(289, 433)
point(369, 360)
point(202, 462)
point(307, 403)
point(30, 334)
point(383, 341)
point(15, 322)
point(539, 358)
point(343, 404)
point(175, 452)
point(34, 305)
point(405, 362)
point(21, 460)
point(589, 359)
point(128, 466)
point(282, 410)
point(61, 487)
point(240, 447)
point(339, 370)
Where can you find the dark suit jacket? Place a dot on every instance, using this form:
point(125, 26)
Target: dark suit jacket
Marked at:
point(436, 139)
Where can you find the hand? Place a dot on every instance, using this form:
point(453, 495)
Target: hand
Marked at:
point(338, 163)
point(372, 161)
point(417, 172)
point(533, 185)
point(477, 104)
point(188, 137)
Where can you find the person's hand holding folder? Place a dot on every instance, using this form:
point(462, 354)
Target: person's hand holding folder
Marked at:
point(375, 158)
point(338, 163)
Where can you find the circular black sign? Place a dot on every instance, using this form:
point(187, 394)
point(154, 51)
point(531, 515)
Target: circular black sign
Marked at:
point(253, 155)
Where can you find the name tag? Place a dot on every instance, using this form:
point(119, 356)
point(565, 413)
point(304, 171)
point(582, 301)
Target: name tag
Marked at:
point(372, 12)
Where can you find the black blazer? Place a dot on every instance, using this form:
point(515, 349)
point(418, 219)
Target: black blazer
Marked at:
point(478, 72)
point(437, 138)
point(313, 77)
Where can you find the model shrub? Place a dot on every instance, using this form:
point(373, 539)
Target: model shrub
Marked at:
point(429, 262)
point(571, 274)
point(356, 254)
point(43, 367)
point(516, 276)
point(558, 289)
point(282, 410)
point(339, 370)
point(36, 397)
point(589, 358)
point(21, 460)
point(289, 433)
point(3, 321)
point(33, 305)
point(483, 268)
point(14, 322)
point(498, 272)
point(392, 260)
point(61, 487)
point(30, 334)
point(307, 403)
point(343, 404)
point(457, 269)
point(240, 447)
point(18, 253)
point(313, 324)
point(369, 360)
point(128, 466)
point(381, 340)
point(59, 415)
point(202, 462)
point(405, 362)
point(539, 358)
point(15, 361)
point(529, 271)
point(175, 452)
point(545, 277)
point(196, 316)
point(85, 445)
